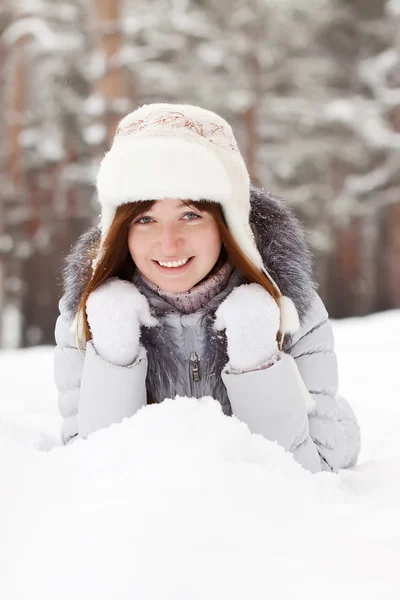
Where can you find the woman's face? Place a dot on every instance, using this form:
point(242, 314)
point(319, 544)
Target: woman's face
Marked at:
point(169, 233)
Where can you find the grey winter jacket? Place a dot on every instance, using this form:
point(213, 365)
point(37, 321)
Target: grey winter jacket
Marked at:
point(94, 393)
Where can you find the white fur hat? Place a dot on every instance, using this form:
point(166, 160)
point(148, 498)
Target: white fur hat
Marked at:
point(179, 151)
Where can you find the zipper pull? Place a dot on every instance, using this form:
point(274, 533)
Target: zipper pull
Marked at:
point(194, 360)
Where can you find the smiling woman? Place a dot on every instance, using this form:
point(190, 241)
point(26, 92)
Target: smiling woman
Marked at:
point(174, 245)
point(197, 284)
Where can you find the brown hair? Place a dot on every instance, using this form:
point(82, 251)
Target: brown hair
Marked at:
point(116, 260)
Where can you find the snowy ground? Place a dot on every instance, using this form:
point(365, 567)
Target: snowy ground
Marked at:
point(182, 503)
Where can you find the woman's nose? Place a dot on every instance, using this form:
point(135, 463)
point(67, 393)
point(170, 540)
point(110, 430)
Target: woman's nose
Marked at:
point(170, 242)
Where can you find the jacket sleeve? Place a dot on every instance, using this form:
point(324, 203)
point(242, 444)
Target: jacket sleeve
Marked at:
point(295, 400)
point(92, 392)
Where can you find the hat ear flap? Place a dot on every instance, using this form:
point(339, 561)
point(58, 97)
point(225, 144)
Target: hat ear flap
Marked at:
point(290, 321)
point(107, 217)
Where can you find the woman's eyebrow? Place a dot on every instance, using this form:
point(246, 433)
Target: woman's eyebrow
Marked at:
point(188, 204)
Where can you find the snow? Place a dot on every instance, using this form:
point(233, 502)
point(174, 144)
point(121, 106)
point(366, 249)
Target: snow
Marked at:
point(393, 8)
point(10, 322)
point(95, 133)
point(31, 26)
point(182, 502)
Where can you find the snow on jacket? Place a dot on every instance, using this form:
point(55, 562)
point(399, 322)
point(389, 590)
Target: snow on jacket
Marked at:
point(94, 393)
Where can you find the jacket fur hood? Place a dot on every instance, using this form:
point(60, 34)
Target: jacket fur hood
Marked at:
point(280, 240)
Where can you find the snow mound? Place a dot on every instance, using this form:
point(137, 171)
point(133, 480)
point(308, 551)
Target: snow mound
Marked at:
point(182, 502)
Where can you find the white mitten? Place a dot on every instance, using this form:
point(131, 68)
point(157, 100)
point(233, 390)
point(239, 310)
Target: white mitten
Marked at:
point(251, 318)
point(115, 312)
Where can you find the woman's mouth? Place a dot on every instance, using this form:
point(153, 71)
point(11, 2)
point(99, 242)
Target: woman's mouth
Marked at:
point(175, 266)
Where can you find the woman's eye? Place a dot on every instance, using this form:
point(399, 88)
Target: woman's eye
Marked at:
point(191, 216)
point(143, 221)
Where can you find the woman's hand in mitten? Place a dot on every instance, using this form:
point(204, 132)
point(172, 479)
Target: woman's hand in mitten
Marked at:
point(115, 311)
point(251, 318)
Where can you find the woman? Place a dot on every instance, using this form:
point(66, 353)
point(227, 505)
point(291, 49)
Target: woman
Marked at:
point(197, 283)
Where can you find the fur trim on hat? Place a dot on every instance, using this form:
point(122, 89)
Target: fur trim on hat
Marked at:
point(167, 167)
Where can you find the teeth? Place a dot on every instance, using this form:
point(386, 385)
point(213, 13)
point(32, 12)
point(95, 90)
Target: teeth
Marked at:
point(175, 263)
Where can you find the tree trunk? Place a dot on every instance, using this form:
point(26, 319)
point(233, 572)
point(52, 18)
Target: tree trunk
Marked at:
point(345, 272)
point(17, 87)
point(393, 253)
point(108, 42)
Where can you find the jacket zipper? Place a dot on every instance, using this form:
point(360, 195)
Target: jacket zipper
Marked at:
point(194, 361)
point(194, 370)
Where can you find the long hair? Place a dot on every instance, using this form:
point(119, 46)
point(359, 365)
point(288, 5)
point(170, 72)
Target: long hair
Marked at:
point(116, 260)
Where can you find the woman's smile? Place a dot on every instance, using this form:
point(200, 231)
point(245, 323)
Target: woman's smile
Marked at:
point(174, 267)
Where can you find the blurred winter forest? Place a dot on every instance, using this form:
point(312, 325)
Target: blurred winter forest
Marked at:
point(311, 88)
